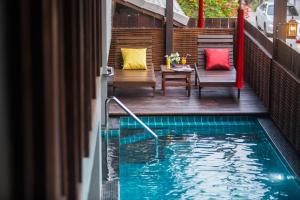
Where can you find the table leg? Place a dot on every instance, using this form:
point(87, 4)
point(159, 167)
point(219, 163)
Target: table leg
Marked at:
point(186, 82)
point(189, 84)
point(162, 81)
point(164, 84)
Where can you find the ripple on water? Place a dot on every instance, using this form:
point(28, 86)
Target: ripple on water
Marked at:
point(232, 166)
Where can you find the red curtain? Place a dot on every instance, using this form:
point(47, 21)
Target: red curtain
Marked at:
point(200, 15)
point(240, 50)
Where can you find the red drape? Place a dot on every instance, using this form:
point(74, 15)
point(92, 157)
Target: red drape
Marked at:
point(200, 15)
point(240, 50)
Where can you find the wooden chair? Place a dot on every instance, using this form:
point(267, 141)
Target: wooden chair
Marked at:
point(134, 78)
point(214, 78)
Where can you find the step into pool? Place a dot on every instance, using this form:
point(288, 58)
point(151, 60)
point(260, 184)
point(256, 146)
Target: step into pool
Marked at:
point(201, 157)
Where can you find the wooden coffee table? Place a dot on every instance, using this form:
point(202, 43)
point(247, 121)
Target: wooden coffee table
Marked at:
point(174, 78)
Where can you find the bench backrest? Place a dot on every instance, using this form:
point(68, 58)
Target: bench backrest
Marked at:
point(214, 41)
point(133, 42)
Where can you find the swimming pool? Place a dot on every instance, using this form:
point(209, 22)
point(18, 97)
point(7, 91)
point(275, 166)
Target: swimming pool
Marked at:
point(202, 157)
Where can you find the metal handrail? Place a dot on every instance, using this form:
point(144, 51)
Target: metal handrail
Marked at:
point(109, 99)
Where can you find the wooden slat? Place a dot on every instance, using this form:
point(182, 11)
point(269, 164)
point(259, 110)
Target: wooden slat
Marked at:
point(80, 79)
point(215, 40)
point(215, 36)
point(218, 45)
point(87, 76)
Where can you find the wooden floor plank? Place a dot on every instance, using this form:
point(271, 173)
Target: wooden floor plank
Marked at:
point(213, 101)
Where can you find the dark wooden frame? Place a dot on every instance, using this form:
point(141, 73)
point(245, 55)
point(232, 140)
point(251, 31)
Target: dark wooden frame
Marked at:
point(175, 79)
point(215, 78)
point(134, 78)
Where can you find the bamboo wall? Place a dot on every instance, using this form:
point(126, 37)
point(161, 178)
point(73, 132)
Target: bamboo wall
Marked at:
point(184, 41)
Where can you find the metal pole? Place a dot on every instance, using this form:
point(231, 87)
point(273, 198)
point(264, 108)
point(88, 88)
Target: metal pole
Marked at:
point(107, 101)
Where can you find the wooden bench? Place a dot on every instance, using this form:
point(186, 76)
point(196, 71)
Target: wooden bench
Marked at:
point(134, 78)
point(214, 78)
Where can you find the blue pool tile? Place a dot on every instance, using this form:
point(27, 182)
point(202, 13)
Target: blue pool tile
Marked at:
point(163, 121)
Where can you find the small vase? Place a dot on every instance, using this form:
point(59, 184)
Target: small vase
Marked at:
point(168, 64)
point(183, 60)
point(173, 65)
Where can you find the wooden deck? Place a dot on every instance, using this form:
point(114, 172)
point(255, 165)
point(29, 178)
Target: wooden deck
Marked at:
point(214, 101)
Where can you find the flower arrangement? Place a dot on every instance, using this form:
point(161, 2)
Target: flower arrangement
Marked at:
point(175, 58)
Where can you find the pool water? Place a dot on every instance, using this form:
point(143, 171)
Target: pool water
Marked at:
point(202, 158)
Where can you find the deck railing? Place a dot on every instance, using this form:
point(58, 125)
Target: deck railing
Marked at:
point(259, 37)
point(289, 58)
point(276, 81)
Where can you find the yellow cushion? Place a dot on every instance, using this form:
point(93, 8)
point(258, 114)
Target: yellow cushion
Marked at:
point(134, 58)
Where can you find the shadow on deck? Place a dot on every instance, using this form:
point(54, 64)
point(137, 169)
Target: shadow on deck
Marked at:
point(176, 102)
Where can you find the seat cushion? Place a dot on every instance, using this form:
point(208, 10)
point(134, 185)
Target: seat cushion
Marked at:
point(217, 59)
point(134, 59)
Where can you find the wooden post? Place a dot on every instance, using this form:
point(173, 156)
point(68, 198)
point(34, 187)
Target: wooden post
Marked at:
point(169, 26)
point(279, 30)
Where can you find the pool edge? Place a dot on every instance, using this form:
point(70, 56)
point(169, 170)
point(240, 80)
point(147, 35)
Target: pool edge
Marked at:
point(283, 146)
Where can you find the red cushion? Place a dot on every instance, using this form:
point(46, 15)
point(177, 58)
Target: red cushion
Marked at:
point(217, 59)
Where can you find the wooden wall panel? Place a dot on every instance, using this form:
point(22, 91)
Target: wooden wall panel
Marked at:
point(184, 41)
point(158, 44)
point(259, 36)
point(288, 57)
point(285, 103)
point(257, 69)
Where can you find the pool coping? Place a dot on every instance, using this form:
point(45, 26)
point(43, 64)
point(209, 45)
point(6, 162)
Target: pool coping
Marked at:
point(196, 113)
point(284, 147)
